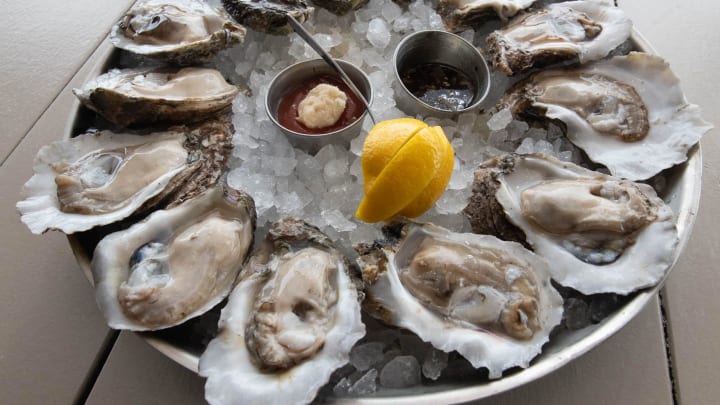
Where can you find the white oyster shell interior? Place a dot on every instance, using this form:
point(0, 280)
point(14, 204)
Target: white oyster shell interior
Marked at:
point(301, 320)
point(96, 179)
point(601, 234)
point(675, 126)
point(498, 276)
point(174, 265)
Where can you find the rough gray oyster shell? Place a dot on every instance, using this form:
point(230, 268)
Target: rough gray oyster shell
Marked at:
point(143, 96)
point(340, 7)
point(459, 15)
point(268, 16)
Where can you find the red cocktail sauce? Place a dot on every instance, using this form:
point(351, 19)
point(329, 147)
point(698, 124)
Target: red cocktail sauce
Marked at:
point(288, 108)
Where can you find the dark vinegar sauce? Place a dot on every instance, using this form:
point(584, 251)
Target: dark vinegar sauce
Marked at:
point(439, 85)
point(288, 108)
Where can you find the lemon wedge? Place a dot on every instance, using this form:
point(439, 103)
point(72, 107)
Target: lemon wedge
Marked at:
point(406, 167)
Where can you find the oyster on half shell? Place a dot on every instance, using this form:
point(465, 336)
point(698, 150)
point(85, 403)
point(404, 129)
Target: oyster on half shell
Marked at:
point(176, 264)
point(291, 320)
point(102, 177)
point(459, 15)
point(268, 16)
point(183, 32)
point(489, 300)
point(601, 233)
point(144, 96)
point(573, 31)
point(627, 113)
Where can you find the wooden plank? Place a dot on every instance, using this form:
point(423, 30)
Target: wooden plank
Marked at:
point(685, 33)
point(628, 368)
point(43, 43)
point(136, 373)
point(52, 328)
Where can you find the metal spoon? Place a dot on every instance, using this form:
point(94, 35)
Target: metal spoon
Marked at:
point(300, 30)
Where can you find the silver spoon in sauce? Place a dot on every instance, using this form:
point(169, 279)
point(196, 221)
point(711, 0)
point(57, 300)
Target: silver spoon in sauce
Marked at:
point(300, 30)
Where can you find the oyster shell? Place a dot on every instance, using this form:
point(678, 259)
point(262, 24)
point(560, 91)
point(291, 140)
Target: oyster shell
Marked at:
point(148, 95)
point(602, 234)
point(573, 31)
point(340, 7)
point(176, 264)
point(490, 300)
point(459, 15)
point(290, 321)
point(268, 16)
point(183, 32)
point(102, 177)
point(628, 113)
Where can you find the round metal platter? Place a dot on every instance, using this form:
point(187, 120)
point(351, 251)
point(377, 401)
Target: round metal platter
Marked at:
point(682, 194)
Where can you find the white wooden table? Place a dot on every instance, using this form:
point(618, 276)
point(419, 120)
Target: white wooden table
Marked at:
point(52, 331)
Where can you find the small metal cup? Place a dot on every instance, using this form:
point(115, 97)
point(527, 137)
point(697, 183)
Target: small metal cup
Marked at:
point(439, 47)
point(300, 72)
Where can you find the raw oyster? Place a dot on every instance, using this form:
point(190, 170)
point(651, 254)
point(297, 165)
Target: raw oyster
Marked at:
point(290, 321)
point(176, 264)
point(602, 234)
point(184, 32)
point(102, 177)
point(490, 300)
point(628, 113)
point(340, 7)
point(148, 95)
point(459, 15)
point(268, 16)
point(573, 31)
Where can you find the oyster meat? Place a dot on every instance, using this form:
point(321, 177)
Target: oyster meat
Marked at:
point(489, 300)
point(574, 31)
point(602, 234)
point(459, 15)
point(176, 264)
point(102, 177)
point(627, 113)
point(183, 32)
point(268, 16)
point(291, 320)
point(144, 96)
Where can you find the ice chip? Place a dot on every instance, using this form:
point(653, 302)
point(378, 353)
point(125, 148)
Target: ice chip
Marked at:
point(526, 146)
point(390, 11)
point(434, 363)
point(366, 355)
point(378, 33)
point(500, 120)
point(400, 372)
point(366, 385)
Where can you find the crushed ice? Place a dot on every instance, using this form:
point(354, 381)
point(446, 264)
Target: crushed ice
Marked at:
point(325, 188)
